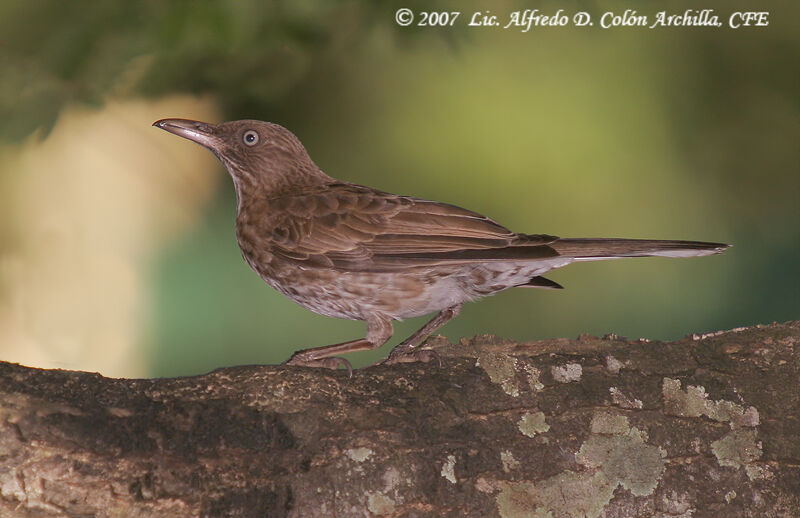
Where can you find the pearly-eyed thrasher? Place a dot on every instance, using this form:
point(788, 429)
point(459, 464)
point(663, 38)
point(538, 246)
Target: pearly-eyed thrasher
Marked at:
point(349, 251)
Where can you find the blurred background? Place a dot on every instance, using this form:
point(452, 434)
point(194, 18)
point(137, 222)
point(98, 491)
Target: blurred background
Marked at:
point(117, 245)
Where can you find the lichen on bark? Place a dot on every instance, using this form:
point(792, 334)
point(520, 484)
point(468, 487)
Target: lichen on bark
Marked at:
point(502, 428)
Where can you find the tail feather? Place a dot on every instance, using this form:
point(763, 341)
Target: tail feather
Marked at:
point(588, 249)
point(541, 282)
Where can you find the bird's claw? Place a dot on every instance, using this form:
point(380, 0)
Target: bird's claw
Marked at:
point(412, 355)
point(331, 362)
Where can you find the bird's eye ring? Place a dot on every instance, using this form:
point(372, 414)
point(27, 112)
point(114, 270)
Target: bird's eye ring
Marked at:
point(250, 137)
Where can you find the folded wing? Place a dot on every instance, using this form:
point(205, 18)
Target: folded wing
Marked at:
point(355, 228)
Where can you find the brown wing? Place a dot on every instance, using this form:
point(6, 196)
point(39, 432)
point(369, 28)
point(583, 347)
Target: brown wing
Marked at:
point(356, 228)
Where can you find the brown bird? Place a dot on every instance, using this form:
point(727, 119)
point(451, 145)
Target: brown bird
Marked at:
point(349, 251)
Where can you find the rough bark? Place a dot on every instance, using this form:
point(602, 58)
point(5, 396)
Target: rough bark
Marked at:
point(705, 426)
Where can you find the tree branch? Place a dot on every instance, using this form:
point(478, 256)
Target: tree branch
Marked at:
point(708, 425)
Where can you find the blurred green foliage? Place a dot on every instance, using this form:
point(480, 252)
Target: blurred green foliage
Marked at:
point(686, 133)
point(248, 53)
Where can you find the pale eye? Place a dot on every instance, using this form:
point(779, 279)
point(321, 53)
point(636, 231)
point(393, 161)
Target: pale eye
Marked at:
point(250, 137)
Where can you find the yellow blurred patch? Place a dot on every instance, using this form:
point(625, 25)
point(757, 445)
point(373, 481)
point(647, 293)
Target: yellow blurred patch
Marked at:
point(83, 211)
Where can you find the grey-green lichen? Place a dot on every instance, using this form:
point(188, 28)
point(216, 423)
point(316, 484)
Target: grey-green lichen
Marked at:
point(610, 424)
point(694, 402)
point(757, 472)
point(737, 448)
point(615, 454)
point(379, 504)
point(533, 377)
point(621, 400)
point(502, 370)
point(449, 469)
point(566, 495)
point(359, 454)
point(567, 372)
point(613, 365)
point(508, 461)
point(677, 505)
point(531, 424)
point(621, 453)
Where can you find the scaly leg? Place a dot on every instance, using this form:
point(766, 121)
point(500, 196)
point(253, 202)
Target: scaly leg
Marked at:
point(407, 351)
point(379, 330)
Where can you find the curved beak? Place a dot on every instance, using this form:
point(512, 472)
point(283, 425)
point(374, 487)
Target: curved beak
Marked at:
point(196, 131)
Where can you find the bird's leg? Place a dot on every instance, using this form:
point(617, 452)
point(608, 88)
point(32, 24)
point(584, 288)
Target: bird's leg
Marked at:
point(407, 351)
point(379, 330)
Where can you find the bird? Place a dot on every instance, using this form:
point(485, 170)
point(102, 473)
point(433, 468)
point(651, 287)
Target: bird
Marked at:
point(350, 251)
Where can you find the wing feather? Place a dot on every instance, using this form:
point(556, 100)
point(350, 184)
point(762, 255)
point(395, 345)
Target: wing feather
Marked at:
point(351, 227)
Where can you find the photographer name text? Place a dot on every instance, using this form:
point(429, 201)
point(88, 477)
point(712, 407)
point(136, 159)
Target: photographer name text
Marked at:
point(529, 19)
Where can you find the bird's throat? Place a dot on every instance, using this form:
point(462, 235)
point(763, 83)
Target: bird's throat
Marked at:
point(264, 183)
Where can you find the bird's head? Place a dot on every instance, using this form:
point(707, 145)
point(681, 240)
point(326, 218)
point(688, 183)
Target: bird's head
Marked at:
point(258, 155)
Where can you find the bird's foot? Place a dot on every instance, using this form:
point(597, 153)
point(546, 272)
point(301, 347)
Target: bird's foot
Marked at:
point(331, 362)
point(402, 354)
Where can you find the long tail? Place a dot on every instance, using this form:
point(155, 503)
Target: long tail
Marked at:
point(587, 249)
